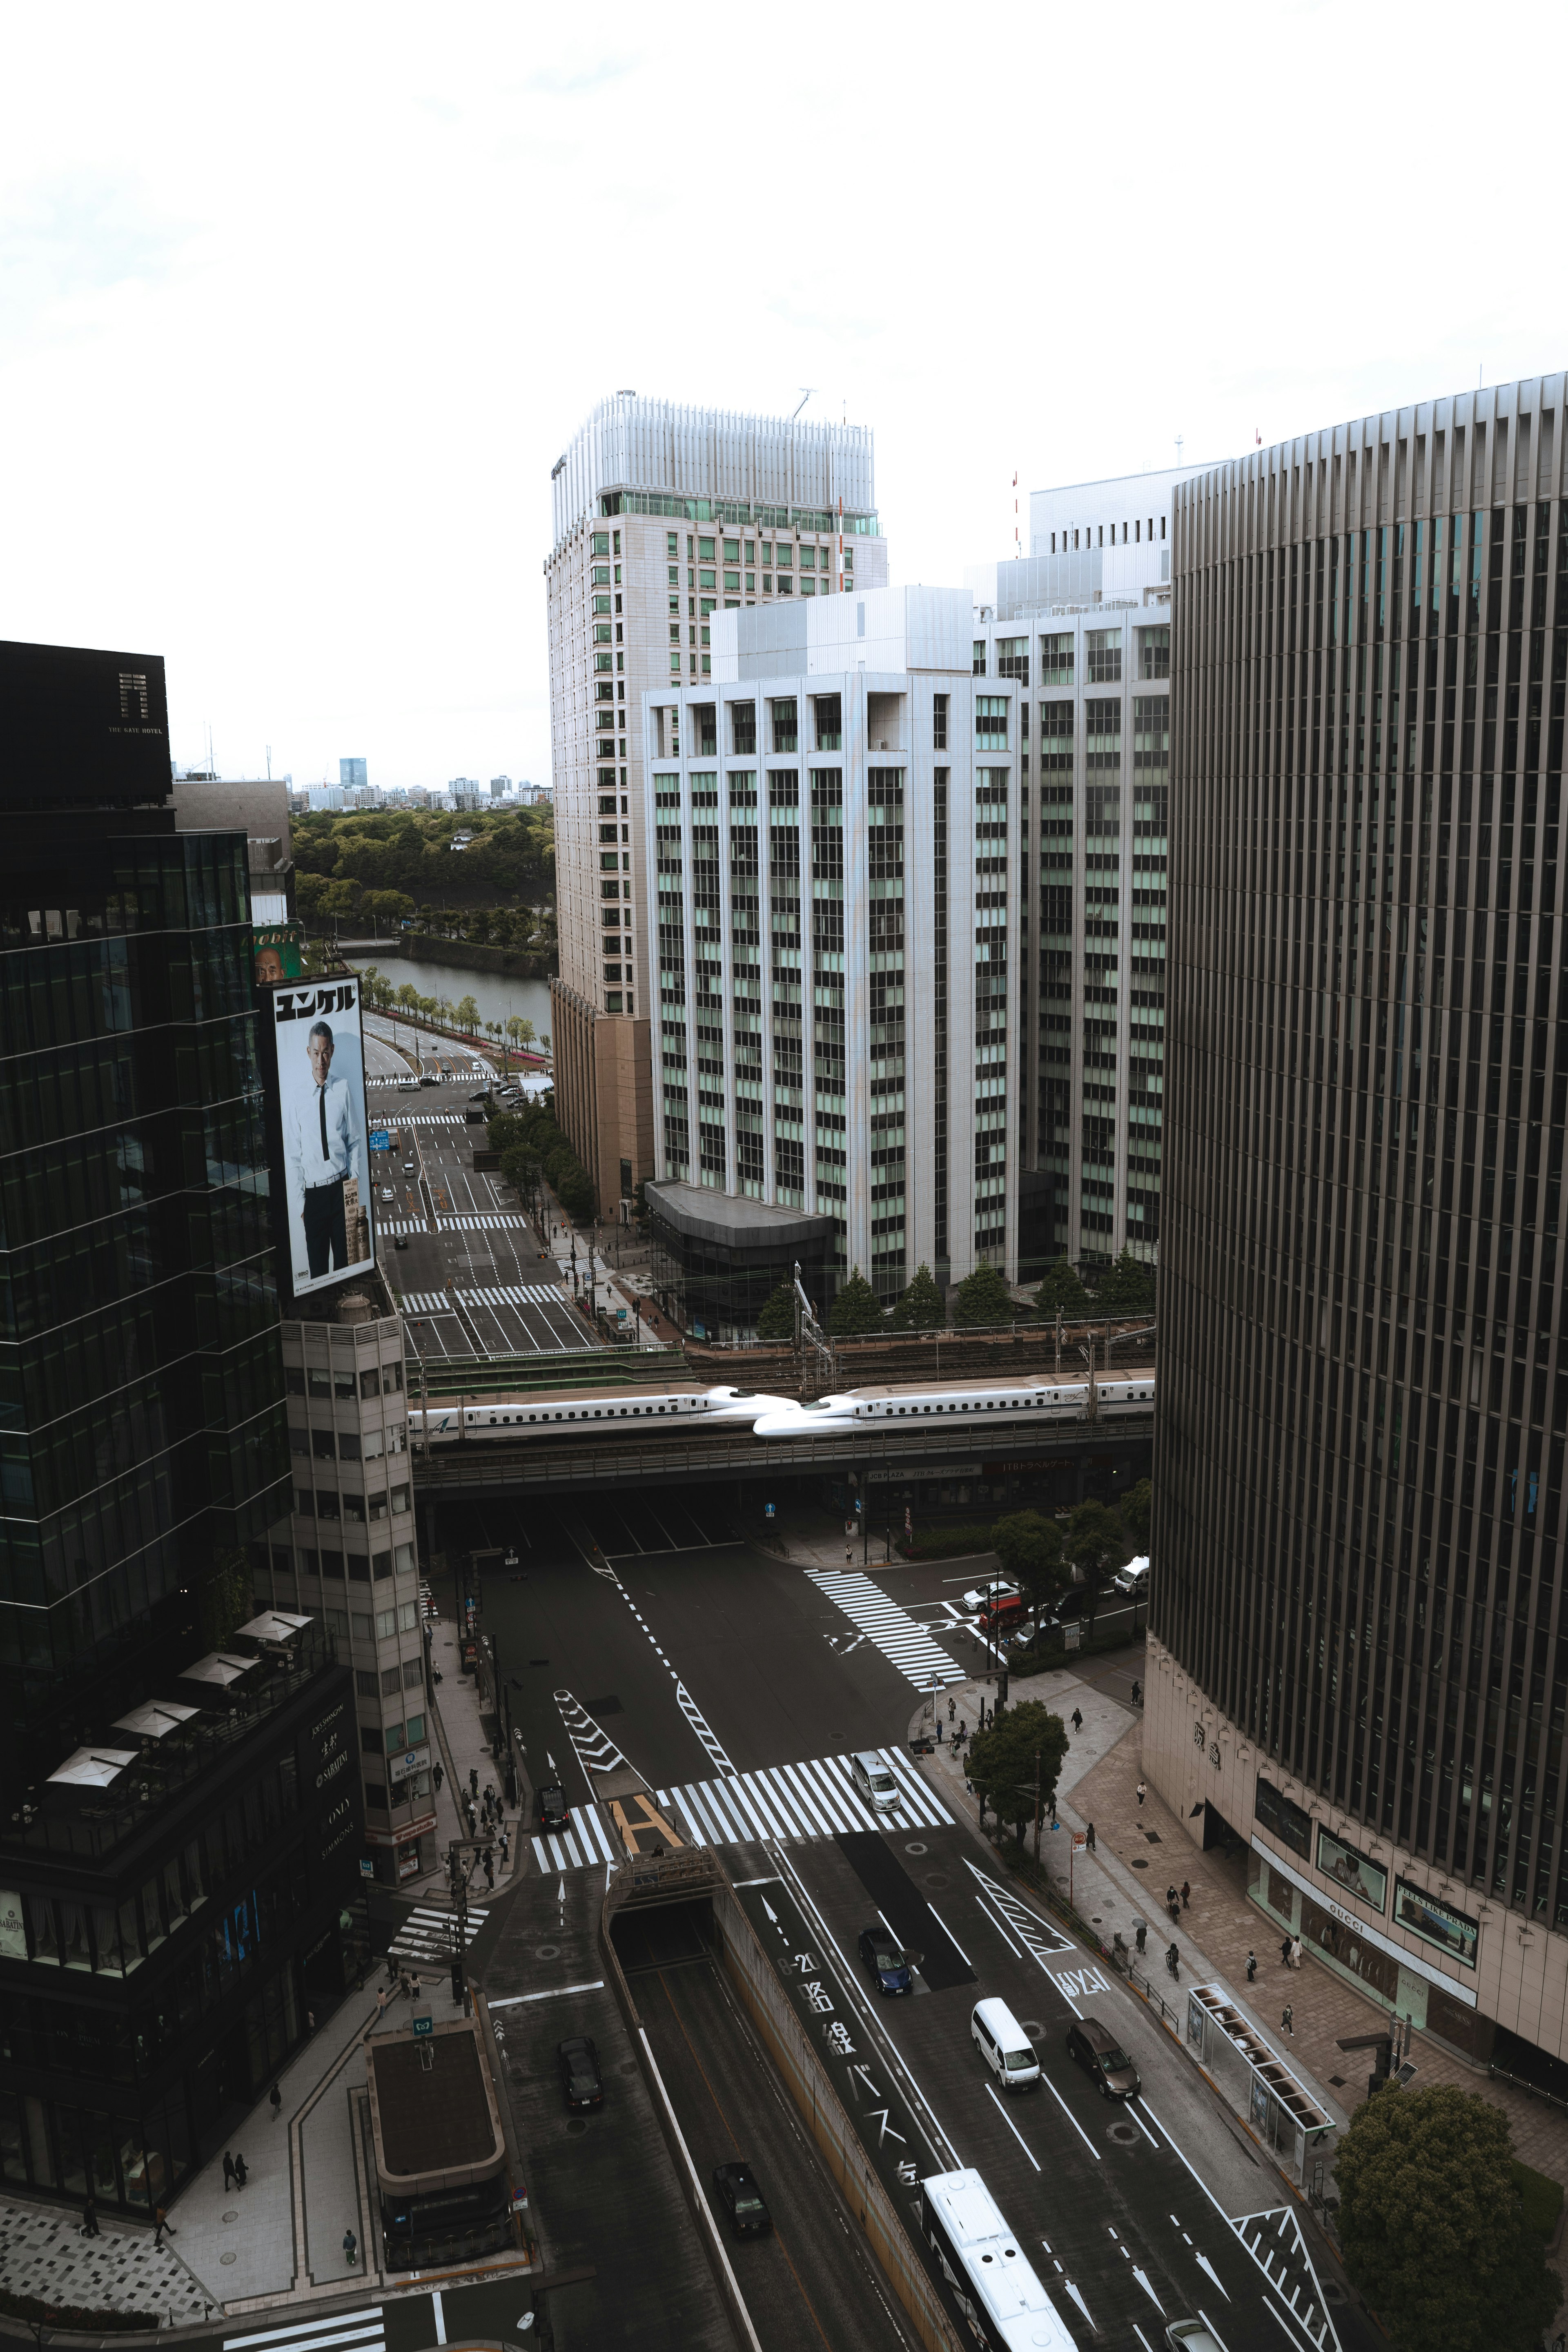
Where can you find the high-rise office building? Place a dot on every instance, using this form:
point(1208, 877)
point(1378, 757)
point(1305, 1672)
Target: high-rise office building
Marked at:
point(828, 846)
point(352, 775)
point(180, 1836)
point(1084, 621)
point(1358, 1660)
point(664, 516)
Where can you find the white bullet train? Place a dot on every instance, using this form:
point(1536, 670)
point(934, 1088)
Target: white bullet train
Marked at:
point(1027, 1400)
point(958, 1405)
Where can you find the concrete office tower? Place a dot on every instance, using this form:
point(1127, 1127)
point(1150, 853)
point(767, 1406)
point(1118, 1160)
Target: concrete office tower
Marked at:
point(663, 516)
point(1085, 619)
point(827, 843)
point(352, 775)
point(1357, 1658)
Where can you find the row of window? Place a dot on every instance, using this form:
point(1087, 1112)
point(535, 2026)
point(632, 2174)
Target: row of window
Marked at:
point(342, 1382)
point(354, 1510)
point(1102, 655)
point(1138, 531)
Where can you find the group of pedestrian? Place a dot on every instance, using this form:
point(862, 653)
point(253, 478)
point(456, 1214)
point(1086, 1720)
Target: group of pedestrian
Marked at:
point(235, 2175)
point(1177, 1901)
point(1291, 1951)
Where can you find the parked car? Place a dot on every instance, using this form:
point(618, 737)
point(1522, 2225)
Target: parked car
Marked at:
point(884, 1957)
point(552, 1807)
point(579, 2063)
point(1095, 2048)
point(742, 2201)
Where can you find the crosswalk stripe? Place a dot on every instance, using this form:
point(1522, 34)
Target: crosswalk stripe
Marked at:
point(813, 1799)
point(306, 2335)
point(902, 1641)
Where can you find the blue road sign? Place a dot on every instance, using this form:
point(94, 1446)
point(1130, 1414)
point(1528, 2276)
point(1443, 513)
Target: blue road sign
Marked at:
point(423, 2025)
point(769, 1511)
point(381, 1139)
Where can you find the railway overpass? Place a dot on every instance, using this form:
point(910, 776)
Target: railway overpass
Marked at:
point(486, 1468)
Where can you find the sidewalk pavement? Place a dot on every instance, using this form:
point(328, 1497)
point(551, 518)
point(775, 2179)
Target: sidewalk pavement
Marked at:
point(1140, 1851)
point(44, 2253)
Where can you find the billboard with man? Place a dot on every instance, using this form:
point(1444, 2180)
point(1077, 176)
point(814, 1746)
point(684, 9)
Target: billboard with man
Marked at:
point(319, 1071)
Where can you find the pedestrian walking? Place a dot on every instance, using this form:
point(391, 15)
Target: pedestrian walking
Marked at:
point(1078, 1718)
point(405, 1987)
point(474, 1779)
point(1296, 1953)
point(1171, 1899)
point(392, 1968)
point(382, 1995)
point(240, 2174)
point(1251, 1967)
point(436, 1778)
point(1173, 1959)
point(227, 2169)
point(163, 2222)
point(849, 1554)
point(1186, 1894)
point(90, 2227)
point(1143, 1792)
point(351, 2247)
point(1175, 1911)
point(414, 1987)
point(274, 2100)
point(1141, 1937)
point(1089, 1837)
point(951, 1708)
point(1288, 2020)
point(490, 1868)
point(1137, 1694)
point(1285, 1952)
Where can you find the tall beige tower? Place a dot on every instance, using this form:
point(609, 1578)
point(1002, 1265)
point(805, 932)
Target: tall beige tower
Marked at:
point(662, 516)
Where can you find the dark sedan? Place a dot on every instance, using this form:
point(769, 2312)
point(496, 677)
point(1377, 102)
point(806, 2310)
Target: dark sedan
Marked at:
point(552, 1807)
point(579, 2063)
point(742, 2200)
point(884, 1958)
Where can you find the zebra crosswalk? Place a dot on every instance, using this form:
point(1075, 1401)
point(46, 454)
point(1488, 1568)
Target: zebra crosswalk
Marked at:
point(362, 2330)
point(895, 1633)
point(817, 1799)
point(583, 1846)
point(402, 1225)
point(516, 1294)
point(484, 1220)
point(424, 1302)
point(425, 1935)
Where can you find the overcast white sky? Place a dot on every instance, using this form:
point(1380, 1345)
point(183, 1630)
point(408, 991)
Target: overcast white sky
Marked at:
point(299, 306)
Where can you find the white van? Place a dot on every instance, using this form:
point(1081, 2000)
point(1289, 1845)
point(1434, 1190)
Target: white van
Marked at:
point(874, 1782)
point(1003, 2044)
point(1134, 1577)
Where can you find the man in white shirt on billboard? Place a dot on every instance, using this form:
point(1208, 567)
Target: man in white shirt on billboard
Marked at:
point(325, 1147)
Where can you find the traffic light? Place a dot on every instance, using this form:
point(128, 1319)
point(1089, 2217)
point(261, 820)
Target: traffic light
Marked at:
point(457, 1981)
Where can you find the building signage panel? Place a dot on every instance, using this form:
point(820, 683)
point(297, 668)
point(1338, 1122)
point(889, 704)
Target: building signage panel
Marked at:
point(337, 1826)
point(315, 1076)
point(1352, 1871)
point(330, 1748)
point(13, 1928)
point(1423, 1915)
point(1464, 1994)
point(411, 1761)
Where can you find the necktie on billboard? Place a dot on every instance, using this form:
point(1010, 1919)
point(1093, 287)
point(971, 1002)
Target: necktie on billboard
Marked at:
point(321, 1106)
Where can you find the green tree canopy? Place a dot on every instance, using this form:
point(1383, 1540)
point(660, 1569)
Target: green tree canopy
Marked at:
point(1000, 1763)
point(1061, 1292)
point(1430, 2221)
point(468, 1013)
point(983, 1297)
point(922, 1307)
point(855, 1308)
point(577, 1193)
point(1030, 1551)
point(1096, 1543)
point(387, 906)
point(1126, 1288)
point(1137, 1510)
point(776, 1320)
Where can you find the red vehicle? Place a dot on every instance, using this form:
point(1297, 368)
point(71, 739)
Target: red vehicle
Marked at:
point(1004, 1613)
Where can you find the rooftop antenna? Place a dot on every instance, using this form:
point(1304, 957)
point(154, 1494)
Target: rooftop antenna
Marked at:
point(806, 392)
point(1017, 542)
point(270, 763)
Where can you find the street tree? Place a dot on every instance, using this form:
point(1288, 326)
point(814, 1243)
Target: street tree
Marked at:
point(983, 1297)
point(776, 1320)
point(1030, 1551)
point(1432, 2228)
point(1127, 1288)
point(855, 1308)
point(1000, 1762)
point(1061, 1292)
point(921, 1306)
point(1096, 1543)
point(468, 1013)
point(1137, 1510)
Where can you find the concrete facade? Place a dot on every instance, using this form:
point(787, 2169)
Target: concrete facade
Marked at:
point(846, 780)
point(663, 517)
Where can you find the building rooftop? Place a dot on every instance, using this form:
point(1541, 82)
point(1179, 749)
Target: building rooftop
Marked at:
point(733, 1222)
point(433, 2110)
point(888, 630)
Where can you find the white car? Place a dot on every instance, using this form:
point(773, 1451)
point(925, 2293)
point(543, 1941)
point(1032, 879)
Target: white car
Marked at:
point(981, 1596)
point(1134, 1577)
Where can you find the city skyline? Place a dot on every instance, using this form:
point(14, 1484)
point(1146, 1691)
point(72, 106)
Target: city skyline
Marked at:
point(345, 583)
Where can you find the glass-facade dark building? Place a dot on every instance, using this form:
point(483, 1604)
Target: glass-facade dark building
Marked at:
point(145, 1447)
point(1359, 1658)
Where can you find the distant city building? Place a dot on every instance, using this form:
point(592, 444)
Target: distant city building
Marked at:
point(326, 797)
point(663, 517)
point(499, 787)
point(828, 842)
point(351, 773)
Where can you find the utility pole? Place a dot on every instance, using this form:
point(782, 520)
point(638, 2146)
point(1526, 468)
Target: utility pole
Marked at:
point(1037, 1809)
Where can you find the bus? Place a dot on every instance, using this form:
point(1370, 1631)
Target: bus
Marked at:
point(998, 2295)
